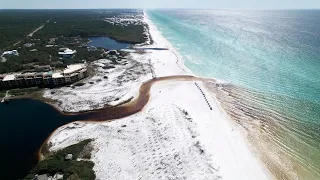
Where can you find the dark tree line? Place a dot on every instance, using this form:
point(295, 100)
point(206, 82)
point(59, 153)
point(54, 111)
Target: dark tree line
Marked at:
point(15, 25)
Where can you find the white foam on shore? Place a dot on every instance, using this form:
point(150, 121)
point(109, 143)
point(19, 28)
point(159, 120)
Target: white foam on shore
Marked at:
point(175, 136)
point(168, 62)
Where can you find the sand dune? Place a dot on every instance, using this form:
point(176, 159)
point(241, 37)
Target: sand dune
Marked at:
point(175, 136)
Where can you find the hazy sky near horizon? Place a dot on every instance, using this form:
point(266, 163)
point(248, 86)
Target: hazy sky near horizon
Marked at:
point(193, 4)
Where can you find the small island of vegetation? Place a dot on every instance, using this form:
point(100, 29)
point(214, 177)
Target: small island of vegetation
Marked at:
point(71, 163)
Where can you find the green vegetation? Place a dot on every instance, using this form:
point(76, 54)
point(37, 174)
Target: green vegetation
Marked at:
point(46, 56)
point(16, 25)
point(21, 92)
point(62, 28)
point(89, 23)
point(2, 94)
point(72, 169)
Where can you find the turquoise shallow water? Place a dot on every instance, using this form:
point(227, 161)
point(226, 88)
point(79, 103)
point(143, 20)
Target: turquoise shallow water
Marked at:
point(272, 61)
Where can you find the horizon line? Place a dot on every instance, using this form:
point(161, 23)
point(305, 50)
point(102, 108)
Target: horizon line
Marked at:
point(157, 9)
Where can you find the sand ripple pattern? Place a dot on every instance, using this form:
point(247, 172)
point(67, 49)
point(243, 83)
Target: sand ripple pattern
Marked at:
point(287, 144)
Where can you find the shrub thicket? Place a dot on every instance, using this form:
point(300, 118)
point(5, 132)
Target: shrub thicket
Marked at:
point(57, 163)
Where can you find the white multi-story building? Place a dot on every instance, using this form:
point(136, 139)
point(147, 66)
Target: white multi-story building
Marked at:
point(71, 74)
point(66, 52)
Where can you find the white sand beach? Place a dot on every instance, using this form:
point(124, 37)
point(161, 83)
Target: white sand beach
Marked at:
point(175, 136)
point(124, 80)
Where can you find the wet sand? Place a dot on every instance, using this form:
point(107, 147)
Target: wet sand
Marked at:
point(233, 158)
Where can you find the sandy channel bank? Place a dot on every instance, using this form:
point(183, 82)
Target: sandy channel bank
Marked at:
point(182, 133)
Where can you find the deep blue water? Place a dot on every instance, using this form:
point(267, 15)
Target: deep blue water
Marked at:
point(25, 125)
point(272, 61)
point(105, 42)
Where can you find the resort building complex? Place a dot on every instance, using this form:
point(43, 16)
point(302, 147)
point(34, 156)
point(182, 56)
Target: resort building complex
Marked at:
point(71, 74)
point(66, 52)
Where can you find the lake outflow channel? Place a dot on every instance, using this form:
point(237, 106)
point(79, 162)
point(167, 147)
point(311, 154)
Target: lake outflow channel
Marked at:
point(28, 123)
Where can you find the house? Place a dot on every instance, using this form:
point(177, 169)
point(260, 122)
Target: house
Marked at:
point(10, 53)
point(58, 176)
point(68, 157)
point(42, 177)
point(28, 44)
point(66, 52)
point(113, 52)
point(92, 48)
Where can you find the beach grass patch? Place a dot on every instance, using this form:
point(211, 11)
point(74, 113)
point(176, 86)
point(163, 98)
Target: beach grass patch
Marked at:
point(74, 169)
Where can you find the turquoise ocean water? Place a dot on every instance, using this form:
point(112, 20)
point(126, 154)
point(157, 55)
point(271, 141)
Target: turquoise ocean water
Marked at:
point(271, 63)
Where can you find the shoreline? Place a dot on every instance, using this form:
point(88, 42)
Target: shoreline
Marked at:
point(137, 103)
point(180, 63)
point(164, 41)
point(170, 68)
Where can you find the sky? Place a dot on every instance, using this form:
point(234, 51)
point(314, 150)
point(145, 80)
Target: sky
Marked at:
point(146, 4)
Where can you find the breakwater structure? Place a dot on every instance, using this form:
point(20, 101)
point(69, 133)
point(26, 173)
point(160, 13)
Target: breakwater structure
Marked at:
point(204, 96)
point(71, 74)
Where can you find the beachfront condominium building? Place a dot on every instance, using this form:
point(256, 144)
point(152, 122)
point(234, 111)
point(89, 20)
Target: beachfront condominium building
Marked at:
point(71, 74)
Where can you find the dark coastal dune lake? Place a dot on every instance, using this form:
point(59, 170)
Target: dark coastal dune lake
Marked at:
point(105, 42)
point(25, 125)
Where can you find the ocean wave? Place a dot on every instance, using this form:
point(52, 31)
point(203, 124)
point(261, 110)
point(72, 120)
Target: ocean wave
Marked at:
point(288, 145)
